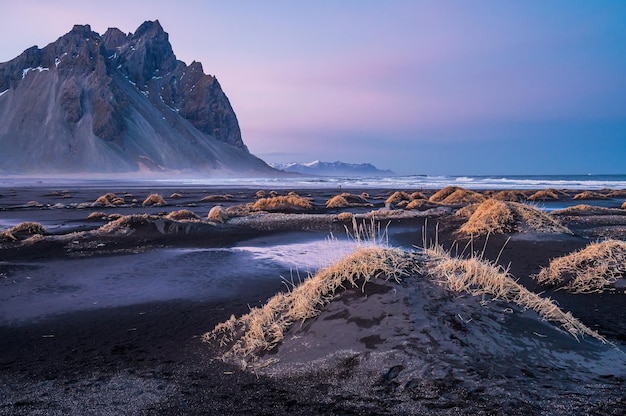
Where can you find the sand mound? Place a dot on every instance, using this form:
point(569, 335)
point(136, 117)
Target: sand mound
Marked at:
point(290, 202)
point(467, 211)
point(617, 193)
point(589, 270)
point(420, 204)
point(218, 214)
point(98, 215)
point(183, 215)
point(22, 231)
point(127, 223)
point(544, 195)
point(263, 328)
point(499, 217)
point(511, 196)
point(108, 199)
point(462, 196)
point(442, 194)
point(217, 198)
point(154, 200)
point(584, 209)
point(590, 195)
point(346, 200)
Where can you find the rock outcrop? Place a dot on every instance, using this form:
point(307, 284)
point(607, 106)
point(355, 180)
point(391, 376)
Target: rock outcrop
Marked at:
point(115, 103)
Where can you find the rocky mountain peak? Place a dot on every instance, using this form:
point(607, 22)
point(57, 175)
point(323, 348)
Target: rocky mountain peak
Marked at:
point(126, 90)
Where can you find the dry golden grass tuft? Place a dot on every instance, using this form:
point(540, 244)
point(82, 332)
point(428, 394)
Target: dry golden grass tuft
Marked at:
point(490, 217)
point(584, 209)
point(337, 201)
point(480, 277)
point(345, 217)
point(127, 222)
point(617, 193)
point(263, 328)
point(176, 195)
point(345, 200)
point(397, 197)
point(22, 230)
point(218, 214)
point(588, 270)
point(419, 204)
point(183, 215)
point(514, 196)
point(259, 194)
point(624, 205)
point(97, 216)
point(467, 211)
point(590, 195)
point(499, 217)
point(462, 196)
point(155, 200)
point(544, 195)
point(282, 203)
point(442, 194)
point(217, 198)
point(105, 200)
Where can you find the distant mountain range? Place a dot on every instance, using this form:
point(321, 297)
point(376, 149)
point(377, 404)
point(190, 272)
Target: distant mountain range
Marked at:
point(116, 103)
point(332, 169)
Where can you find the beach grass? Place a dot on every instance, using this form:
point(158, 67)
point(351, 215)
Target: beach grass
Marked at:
point(263, 328)
point(500, 217)
point(588, 270)
point(155, 200)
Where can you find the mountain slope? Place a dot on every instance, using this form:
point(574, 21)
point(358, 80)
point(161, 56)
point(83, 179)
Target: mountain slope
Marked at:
point(115, 103)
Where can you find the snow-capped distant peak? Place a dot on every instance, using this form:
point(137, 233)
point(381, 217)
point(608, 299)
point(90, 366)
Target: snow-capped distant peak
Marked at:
point(332, 168)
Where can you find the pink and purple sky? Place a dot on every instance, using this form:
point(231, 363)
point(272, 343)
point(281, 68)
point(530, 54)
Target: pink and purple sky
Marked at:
point(419, 87)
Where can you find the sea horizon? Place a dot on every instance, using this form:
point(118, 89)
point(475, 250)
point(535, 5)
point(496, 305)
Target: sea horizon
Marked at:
point(418, 181)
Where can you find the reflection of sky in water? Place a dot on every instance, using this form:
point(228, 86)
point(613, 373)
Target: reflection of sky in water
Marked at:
point(36, 289)
point(303, 256)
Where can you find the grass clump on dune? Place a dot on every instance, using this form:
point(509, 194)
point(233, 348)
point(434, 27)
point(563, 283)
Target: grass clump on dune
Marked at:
point(480, 277)
point(218, 214)
point(588, 270)
point(508, 195)
point(544, 195)
point(499, 217)
point(442, 194)
point(154, 200)
point(183, 215)
point(347, 200)
point(282, 203)
point(584, 209)
point(453, 195)
point(590, 195)
point(22, 230)
point(127, 222)
point(263, 328)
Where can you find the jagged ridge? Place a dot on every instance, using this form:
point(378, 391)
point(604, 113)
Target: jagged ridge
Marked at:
point(116, 102)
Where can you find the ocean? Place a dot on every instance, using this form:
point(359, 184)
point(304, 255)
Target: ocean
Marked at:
point(477, 182)
point(587, 182)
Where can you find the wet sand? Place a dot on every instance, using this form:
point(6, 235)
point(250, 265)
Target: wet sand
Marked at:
point(137, 350)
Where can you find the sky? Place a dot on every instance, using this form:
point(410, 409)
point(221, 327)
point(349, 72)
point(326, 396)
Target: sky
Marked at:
point(420, 87)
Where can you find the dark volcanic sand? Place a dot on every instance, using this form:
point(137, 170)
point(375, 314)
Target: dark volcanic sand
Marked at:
point(147, 357)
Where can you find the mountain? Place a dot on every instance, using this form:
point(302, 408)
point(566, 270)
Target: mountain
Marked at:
point(115, 103)
point(332, 169)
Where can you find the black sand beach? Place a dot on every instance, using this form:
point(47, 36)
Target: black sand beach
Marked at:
point(387, 349)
